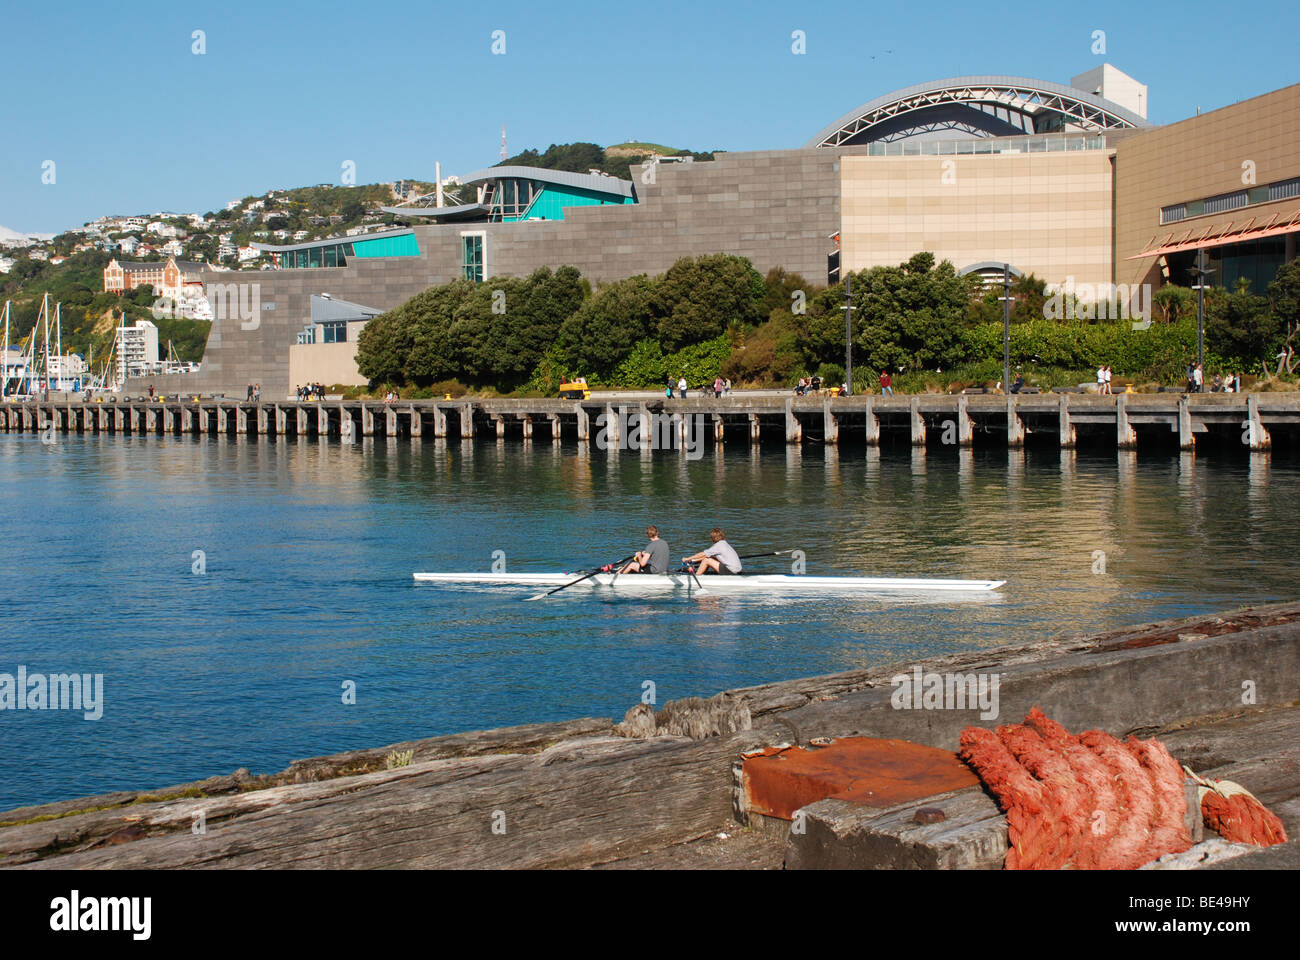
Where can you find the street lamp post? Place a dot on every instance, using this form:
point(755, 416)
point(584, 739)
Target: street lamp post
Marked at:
point(1200, 272)
point(848, 335)
point(1006, 327)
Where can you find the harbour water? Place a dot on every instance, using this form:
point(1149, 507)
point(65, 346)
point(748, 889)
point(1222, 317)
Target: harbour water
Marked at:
point(231, 592)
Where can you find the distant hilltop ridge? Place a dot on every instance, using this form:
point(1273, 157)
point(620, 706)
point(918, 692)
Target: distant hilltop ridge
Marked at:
point(14, 237)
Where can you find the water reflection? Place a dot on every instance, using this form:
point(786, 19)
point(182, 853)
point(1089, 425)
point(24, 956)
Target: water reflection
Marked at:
point(311, 547)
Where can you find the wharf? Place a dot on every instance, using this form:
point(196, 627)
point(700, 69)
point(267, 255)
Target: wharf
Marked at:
point(1255, 421)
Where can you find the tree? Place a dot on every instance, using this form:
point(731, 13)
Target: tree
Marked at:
point(1284, 294)
point(602, 332)
point(1174, 302)
point(697, 299)
point(912, 315)
point(383, 347)
point(1240, 327)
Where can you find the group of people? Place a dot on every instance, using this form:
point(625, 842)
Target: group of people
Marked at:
point(311, 391)
point(254, 392)
point(1103, 380)
point(807, 385)
point(721, 386)
point(653, 558)
point(392, 396)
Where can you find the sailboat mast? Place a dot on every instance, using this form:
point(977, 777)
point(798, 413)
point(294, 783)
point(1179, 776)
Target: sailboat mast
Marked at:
point(46, 305)
point(4, 385)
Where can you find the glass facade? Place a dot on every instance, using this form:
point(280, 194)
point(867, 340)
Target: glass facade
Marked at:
point(338, 254)
point(335, 255)
point(471, 257)
point(1256, 261)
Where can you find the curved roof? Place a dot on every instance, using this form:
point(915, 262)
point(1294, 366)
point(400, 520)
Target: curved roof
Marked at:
point(464, 211)
point(1021, 95)
point(330, 241)
point(584, 181)
point(989, 266)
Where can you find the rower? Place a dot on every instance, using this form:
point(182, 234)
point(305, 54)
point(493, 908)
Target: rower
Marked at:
point(653, 559)
point(719, 558)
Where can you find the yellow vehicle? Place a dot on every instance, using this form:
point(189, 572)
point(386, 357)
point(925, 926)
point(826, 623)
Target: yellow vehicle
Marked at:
point(575, 389)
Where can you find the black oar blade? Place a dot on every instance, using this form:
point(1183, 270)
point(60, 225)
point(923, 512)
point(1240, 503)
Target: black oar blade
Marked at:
point(587, 576)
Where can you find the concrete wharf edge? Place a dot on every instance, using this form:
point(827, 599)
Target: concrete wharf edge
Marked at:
point(589, 791)
point(1254, 420)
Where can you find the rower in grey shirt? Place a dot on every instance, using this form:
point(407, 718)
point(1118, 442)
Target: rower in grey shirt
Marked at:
point(719, 558)
point(653, 559)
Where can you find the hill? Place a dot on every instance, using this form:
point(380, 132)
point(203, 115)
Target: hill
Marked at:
point(581, 157)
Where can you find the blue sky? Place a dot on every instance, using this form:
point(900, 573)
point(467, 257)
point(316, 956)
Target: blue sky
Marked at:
point(286, 92)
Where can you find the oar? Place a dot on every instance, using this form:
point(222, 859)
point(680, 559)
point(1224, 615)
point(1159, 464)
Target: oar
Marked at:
point(774, 553)
point(587, 576)
point(699, 587)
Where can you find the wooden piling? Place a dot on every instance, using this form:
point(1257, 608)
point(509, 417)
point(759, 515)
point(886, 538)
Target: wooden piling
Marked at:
point(1069, 438)
point(1125, 435)
point(830, 426)
point(965, 426)
point(1015, 424)
point(917, 422)
point(1255, 435)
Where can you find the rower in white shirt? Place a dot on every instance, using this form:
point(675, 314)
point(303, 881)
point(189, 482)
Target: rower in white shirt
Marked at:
point(719, 558)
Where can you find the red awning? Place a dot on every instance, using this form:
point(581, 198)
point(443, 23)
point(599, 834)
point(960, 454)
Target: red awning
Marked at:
point(1234, 232)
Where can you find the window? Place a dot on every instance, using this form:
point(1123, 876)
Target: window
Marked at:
point(334, 331)
point(471, 256)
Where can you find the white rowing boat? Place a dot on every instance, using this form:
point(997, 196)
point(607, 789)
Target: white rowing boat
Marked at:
point(744, 583)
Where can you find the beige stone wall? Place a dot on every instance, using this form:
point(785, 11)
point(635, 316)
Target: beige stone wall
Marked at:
point(1044, 213)
point(1197, 158)
point(325, 363)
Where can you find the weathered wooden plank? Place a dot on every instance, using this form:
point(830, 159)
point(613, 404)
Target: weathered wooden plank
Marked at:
point(838, 835)
point(577, 804)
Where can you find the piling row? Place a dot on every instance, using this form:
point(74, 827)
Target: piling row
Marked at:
point(1256, 421)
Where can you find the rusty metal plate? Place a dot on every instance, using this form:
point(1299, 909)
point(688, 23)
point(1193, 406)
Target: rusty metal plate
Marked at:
point(865, 770)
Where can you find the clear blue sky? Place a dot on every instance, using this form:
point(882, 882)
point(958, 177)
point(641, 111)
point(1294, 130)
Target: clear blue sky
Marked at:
point(288, 91)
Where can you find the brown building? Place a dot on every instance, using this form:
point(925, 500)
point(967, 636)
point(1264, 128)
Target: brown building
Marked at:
point(1227, 182)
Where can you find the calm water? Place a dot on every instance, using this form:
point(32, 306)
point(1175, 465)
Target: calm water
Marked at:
point(310, 549)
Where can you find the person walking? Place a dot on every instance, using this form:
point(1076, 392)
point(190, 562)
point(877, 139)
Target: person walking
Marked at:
point(681, 387)
point(717, 387)
point(1109, 373)
point(1198, 377)
point(886, 384)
